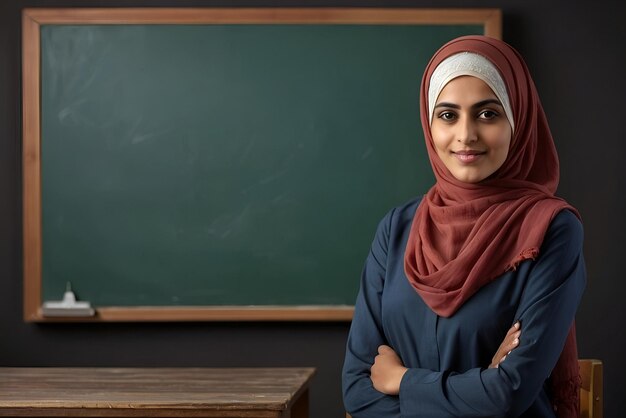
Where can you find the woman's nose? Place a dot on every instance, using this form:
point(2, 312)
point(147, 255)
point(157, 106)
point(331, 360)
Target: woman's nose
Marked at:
point(466, 131)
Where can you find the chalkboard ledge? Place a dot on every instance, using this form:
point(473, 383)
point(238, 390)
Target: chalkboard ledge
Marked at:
point(215, 313)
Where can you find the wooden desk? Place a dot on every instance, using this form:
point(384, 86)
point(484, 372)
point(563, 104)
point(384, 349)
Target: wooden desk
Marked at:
point(155, 392)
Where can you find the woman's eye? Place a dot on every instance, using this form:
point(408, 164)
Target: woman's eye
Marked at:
point(488, 114)
point(446, 115)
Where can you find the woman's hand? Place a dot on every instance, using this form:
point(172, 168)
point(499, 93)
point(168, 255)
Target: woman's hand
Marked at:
point(387, 371)
point(510, 342)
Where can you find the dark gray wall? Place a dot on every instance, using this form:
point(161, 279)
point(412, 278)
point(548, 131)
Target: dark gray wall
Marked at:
point(575, 52)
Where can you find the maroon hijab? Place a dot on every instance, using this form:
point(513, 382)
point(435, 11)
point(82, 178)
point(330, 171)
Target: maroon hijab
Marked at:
point(465, 235)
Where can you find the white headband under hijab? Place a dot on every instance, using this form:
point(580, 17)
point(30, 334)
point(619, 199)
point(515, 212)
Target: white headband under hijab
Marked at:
point(468, 63)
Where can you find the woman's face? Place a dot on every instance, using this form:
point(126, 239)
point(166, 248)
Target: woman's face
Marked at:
point(470, 130)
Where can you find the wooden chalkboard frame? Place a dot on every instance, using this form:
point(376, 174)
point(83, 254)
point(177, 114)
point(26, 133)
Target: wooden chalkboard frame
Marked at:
point(32, 19)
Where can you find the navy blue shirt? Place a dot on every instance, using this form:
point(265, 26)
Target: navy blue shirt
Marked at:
point(448, 358)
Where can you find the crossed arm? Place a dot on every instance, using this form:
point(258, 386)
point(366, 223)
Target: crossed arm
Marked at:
point(374, 373)
point(387, 371)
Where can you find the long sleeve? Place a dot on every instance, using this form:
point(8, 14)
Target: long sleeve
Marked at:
point(447, 357)
point(366, 334)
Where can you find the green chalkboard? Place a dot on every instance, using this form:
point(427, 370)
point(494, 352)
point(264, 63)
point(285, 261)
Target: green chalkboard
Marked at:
point(225, 164)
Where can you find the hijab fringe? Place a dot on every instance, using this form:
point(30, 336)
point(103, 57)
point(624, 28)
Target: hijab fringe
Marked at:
point(527, 254)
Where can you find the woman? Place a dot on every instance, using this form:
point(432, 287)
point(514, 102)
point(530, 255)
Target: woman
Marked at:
point(468, 295)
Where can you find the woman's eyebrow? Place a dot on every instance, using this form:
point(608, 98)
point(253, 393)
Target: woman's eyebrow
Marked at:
point(475, 105)
point(446, 104)
point(486, 102)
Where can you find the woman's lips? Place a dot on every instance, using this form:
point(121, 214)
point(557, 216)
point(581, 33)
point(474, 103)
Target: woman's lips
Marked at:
point(467, 157)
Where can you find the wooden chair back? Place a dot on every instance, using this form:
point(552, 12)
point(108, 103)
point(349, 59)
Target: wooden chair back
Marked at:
point(591, 396)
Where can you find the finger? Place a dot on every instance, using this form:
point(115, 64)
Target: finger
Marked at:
point(512, 339)
point(508, 345)
point(383, 349)
point(513, 329)
point(511, 344)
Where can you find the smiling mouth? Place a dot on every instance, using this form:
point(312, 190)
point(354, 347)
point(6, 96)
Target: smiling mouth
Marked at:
point(468, 156)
